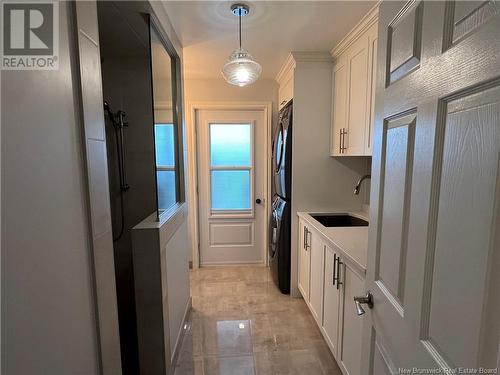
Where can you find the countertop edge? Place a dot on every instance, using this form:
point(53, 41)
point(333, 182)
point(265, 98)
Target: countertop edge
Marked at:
point(320, 228)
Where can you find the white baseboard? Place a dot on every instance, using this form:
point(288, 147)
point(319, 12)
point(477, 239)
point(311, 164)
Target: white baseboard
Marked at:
point(232, 264)
point(180, 334)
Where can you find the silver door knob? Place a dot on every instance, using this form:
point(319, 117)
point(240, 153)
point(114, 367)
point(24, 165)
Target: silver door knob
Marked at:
point(366, 299)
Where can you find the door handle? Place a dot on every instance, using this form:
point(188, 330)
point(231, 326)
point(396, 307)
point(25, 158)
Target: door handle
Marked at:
point(258, 201)
point(366, 299)
point(339, 263)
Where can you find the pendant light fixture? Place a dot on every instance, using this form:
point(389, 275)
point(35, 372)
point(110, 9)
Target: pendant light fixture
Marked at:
point(241, 69)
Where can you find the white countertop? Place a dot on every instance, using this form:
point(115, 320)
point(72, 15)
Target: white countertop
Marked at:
point(351, 241)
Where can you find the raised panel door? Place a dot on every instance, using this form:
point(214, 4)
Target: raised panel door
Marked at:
point(331, 301)
point(304, 260)
point(317, 251)
point(434, 238)
point(339, 108)
point(351, 324)
point(357, 100)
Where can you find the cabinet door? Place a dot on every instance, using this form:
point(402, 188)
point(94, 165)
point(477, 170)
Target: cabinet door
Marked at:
point(339, 106)
point(285, 93)
point(316, 286)
point(357, 103)
point(331, 302)
point(304, 259)
point(352, 324)
point(372, 49)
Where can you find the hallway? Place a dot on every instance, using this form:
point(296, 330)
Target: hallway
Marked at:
point(241, 324)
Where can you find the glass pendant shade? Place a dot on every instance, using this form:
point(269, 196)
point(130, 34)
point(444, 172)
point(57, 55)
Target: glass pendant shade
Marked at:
point(241, 69)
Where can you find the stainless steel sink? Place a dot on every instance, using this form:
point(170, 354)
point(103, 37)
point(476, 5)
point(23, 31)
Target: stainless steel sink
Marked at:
point(340, 220)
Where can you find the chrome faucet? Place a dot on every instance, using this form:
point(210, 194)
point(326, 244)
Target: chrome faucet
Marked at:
point(358, 185)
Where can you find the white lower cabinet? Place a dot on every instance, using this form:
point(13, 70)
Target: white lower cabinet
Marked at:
point(350, 324)
point(328, 284)
point(316, 278)
point(331, 301)
point(304, 259)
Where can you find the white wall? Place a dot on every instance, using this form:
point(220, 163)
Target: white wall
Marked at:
point(319, 182)
point(48, 310)
point(218, 90)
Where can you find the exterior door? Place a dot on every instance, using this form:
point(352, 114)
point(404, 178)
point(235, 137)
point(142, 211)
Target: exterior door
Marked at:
point(231, 186)
point(434, 251)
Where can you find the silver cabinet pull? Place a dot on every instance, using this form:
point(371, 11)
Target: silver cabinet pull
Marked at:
point(304, 239)
point(339, 263)
point(366, 299)
point(343, 133)
point(340, 141)
point(334, 265)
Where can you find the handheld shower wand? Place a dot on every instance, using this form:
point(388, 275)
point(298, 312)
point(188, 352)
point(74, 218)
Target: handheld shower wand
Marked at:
point(119, 123)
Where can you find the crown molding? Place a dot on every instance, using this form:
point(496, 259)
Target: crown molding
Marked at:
point(311, 56)
point(366, 22)
point(287, 66)
point(301, 56)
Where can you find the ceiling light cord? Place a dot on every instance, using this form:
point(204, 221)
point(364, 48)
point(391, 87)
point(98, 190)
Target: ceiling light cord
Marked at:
point(241, 69)
point(239, 18)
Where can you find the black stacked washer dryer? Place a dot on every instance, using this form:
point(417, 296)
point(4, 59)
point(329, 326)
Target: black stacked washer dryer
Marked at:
point(280, 223)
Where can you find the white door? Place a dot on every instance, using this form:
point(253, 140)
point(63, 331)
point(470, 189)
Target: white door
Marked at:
point(434, 242)
point(231, 183)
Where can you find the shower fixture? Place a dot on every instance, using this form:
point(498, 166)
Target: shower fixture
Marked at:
point(118, 121)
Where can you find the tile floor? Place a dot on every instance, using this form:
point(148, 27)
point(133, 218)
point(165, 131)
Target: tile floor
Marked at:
point(242, 325)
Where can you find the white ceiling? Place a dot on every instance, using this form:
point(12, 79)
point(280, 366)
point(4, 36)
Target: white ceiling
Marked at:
point(209, 32)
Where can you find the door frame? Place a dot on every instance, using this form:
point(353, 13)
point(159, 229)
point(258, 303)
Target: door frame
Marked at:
point(192, 160)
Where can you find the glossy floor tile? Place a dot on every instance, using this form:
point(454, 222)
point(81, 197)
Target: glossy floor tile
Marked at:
point(241, 324)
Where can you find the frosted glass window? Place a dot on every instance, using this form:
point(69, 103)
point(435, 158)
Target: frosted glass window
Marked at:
point(164, 140)
point(166, 188)
point(230, 145)
point(230, 189)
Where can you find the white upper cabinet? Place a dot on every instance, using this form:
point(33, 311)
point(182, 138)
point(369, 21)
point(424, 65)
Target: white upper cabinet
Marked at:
point(285, 80)
point(353, 89)
point(339, 96)
point(285, 93)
